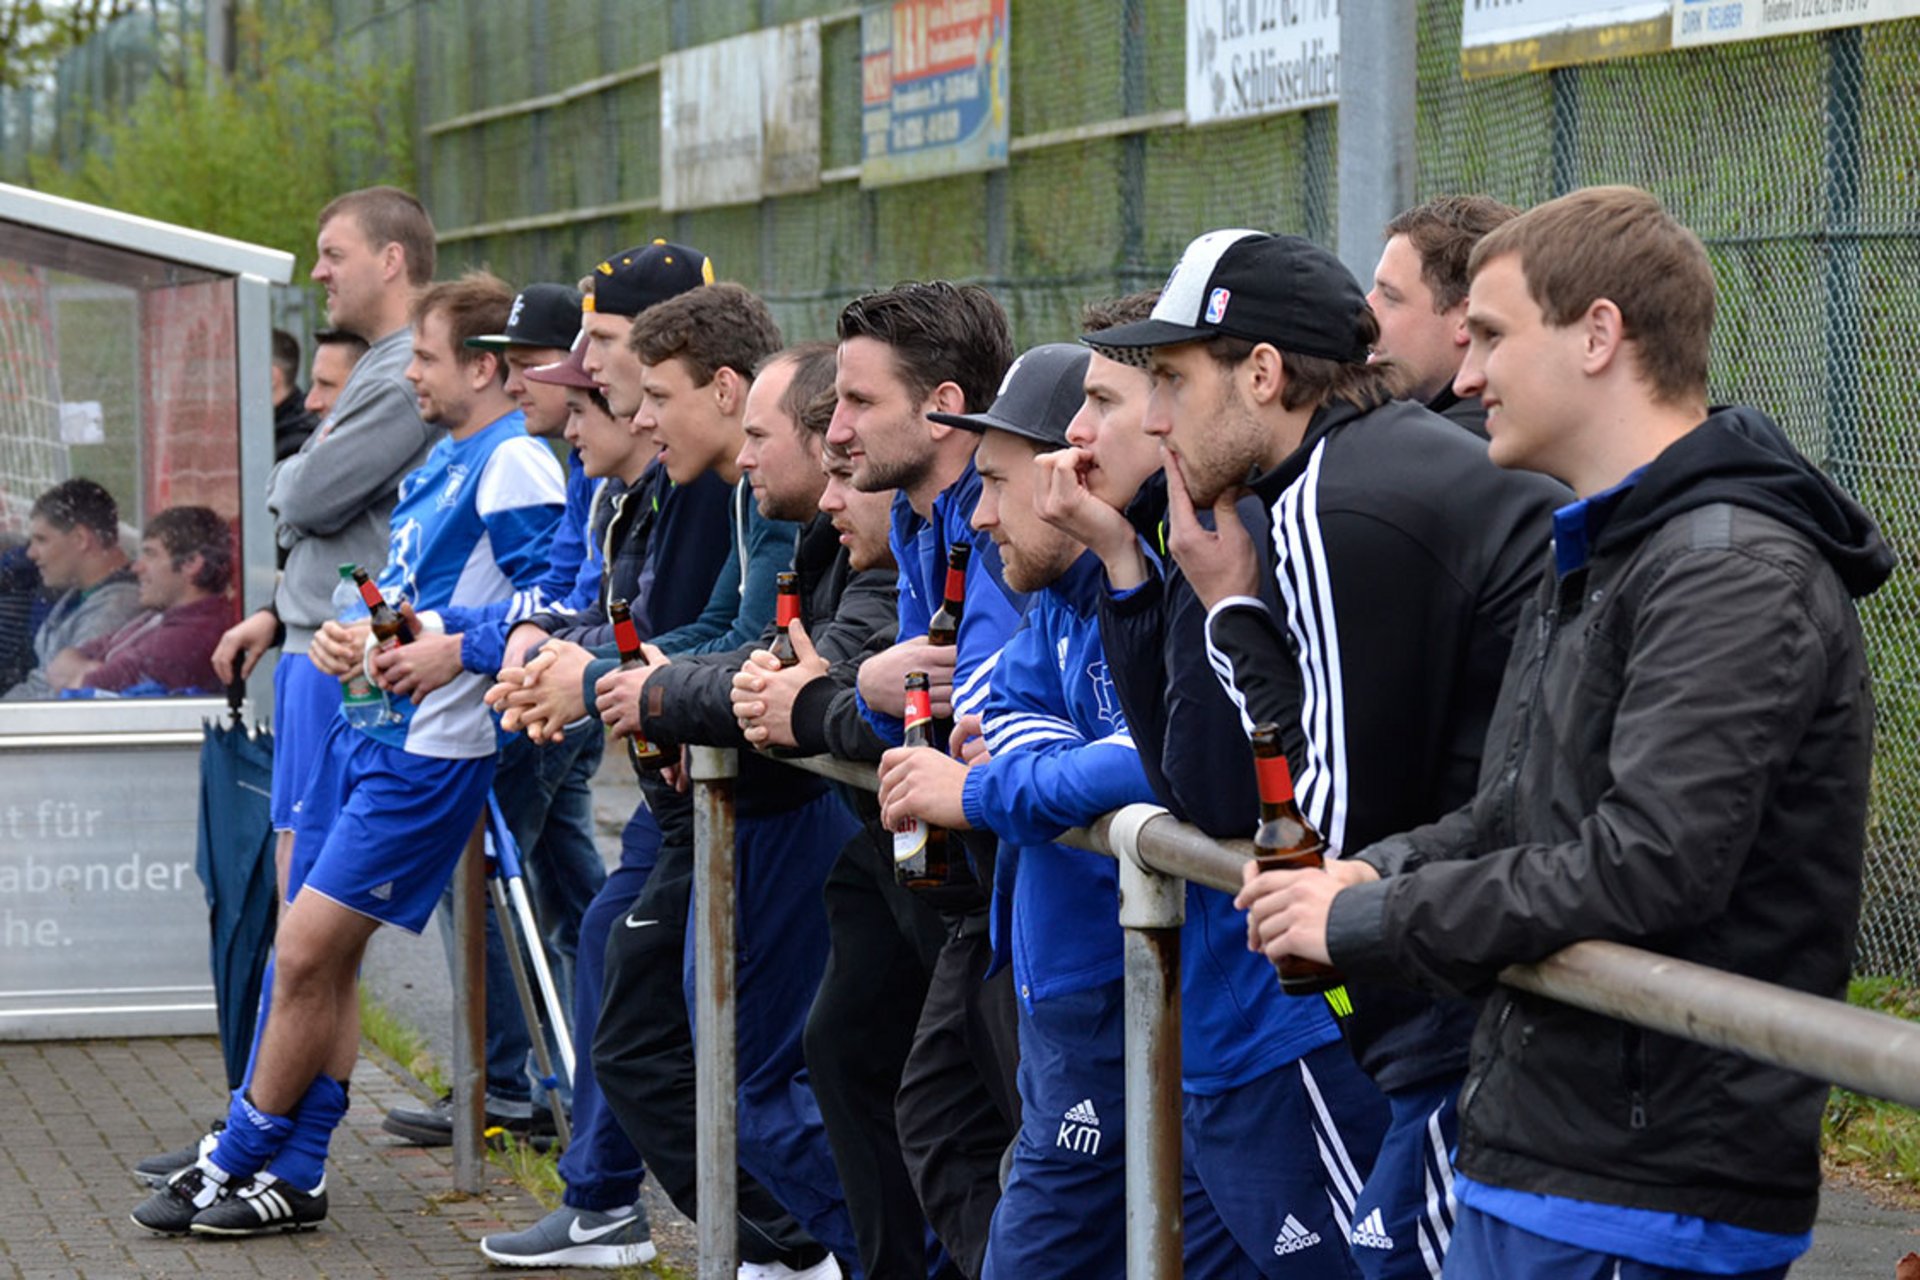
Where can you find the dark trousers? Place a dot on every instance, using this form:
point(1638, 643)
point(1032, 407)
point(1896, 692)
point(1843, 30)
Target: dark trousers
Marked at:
point(601, 1168)
point(884, 945)
point(958, 1106)
point(643, 1046)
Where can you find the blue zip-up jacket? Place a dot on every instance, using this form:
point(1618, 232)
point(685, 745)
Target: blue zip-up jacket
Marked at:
point(1235, 1025)
point(570, 585)
point(1061, 758)
point(920, 549)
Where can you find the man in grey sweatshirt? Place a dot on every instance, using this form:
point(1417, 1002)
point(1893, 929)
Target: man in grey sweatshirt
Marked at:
point(74, 538)
point(330, 501)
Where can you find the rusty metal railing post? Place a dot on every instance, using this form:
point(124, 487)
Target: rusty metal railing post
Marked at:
point(713, 771)
point(1152, 909)
point(469, 1013)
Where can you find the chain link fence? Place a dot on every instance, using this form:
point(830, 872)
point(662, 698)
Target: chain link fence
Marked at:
point(540, 151)
point(1790, 158)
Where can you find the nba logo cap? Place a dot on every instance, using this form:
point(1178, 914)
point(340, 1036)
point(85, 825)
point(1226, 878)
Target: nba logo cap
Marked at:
point(1248, 284)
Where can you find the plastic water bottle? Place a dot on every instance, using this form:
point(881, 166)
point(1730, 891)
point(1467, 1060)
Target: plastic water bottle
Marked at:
point(363, 701)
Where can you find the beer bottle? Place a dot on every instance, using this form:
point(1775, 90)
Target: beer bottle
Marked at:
point(389, 628)
point(1284, 842)
point(921, 858)
point(787, 612)
point(626, 638)
point(944, 626)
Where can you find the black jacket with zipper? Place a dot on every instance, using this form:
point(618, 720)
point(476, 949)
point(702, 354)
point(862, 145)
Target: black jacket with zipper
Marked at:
point(1678, 760)
point(1401, 557)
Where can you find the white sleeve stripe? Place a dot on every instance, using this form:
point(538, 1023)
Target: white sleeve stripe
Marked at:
point(1314, 623)
point(1007, 726)
point(1035, 735)
point(1223, 670)
point(520, 472)
point(999, 724)
point(965, 692)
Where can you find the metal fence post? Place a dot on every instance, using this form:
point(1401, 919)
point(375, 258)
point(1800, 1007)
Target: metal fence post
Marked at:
point(715, 1077)
point(1152, 909)
point(469, 1013)
point(1376, 164)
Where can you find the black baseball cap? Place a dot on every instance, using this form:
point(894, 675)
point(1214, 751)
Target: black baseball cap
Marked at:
point(543, 315)
point(629, 282)
point(1248, 284)
point(1037, 398)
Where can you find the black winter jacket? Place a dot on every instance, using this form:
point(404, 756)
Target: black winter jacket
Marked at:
point(1678, 760)
point(849, 616)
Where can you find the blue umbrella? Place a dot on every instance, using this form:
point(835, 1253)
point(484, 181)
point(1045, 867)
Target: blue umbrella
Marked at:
point(235, 862)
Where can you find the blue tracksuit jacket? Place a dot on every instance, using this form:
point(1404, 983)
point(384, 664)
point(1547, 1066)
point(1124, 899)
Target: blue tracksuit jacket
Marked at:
point(1061, 757)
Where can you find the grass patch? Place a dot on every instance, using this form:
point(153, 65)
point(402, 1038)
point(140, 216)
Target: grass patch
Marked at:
point(381, 1027)
point(1868, 1136)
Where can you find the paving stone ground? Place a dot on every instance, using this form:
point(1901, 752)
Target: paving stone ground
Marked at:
point(77, 1115)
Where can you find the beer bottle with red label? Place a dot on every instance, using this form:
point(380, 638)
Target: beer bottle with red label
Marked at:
point(626, 638)
point(1285, 842)
point(921, 857)
point(944, 626)
point(786, 613)
point(389, 628)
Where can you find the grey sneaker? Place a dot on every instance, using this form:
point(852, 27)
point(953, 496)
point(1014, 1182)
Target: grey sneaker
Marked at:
point(155, 1170)
point(576, 1238)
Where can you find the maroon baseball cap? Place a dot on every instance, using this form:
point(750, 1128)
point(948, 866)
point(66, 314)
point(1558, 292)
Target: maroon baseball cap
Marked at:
point(571, 372)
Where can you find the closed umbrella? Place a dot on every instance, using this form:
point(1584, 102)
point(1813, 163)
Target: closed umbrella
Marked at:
point(235, 862)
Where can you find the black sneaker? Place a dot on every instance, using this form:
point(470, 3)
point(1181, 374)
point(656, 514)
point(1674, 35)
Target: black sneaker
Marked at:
point(433, 1126)
point(264, 1205)
point(170, 1211)
point(155, 1170)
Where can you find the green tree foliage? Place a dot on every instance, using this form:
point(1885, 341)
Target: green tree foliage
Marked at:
point(257, 157)
point(34, 33)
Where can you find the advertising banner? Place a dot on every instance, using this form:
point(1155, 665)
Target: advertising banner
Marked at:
point(1499, 37)
point(1698, 22)
point(1249, 58)
point(933, 89)
point(740, 118)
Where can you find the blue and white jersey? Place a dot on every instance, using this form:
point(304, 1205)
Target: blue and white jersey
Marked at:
point(570, 587)
point(1061, 756)
point(473, 525)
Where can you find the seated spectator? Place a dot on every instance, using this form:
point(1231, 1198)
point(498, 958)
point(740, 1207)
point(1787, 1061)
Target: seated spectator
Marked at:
point(73, 535)
point(186, 561)
point(24, 602)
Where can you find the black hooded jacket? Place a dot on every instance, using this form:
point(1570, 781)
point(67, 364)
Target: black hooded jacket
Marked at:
point(1678, 760)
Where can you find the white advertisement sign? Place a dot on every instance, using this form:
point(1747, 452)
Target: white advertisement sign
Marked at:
point(1493, 22)
point(1249, 58)
point(740, 118)
point(1698, 22)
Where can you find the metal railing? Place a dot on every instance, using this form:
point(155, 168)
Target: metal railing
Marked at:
point(1868, 1052)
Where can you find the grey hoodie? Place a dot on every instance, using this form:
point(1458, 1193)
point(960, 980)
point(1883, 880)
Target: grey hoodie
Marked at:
point(77, 617)
point(331, 500)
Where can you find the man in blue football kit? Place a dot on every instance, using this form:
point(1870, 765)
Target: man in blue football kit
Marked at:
point(388, 808)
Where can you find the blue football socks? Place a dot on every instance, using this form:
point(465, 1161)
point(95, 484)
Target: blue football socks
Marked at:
point(302, 1159)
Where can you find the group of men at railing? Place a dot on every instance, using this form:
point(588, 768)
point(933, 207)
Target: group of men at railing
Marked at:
point(1555, 652)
